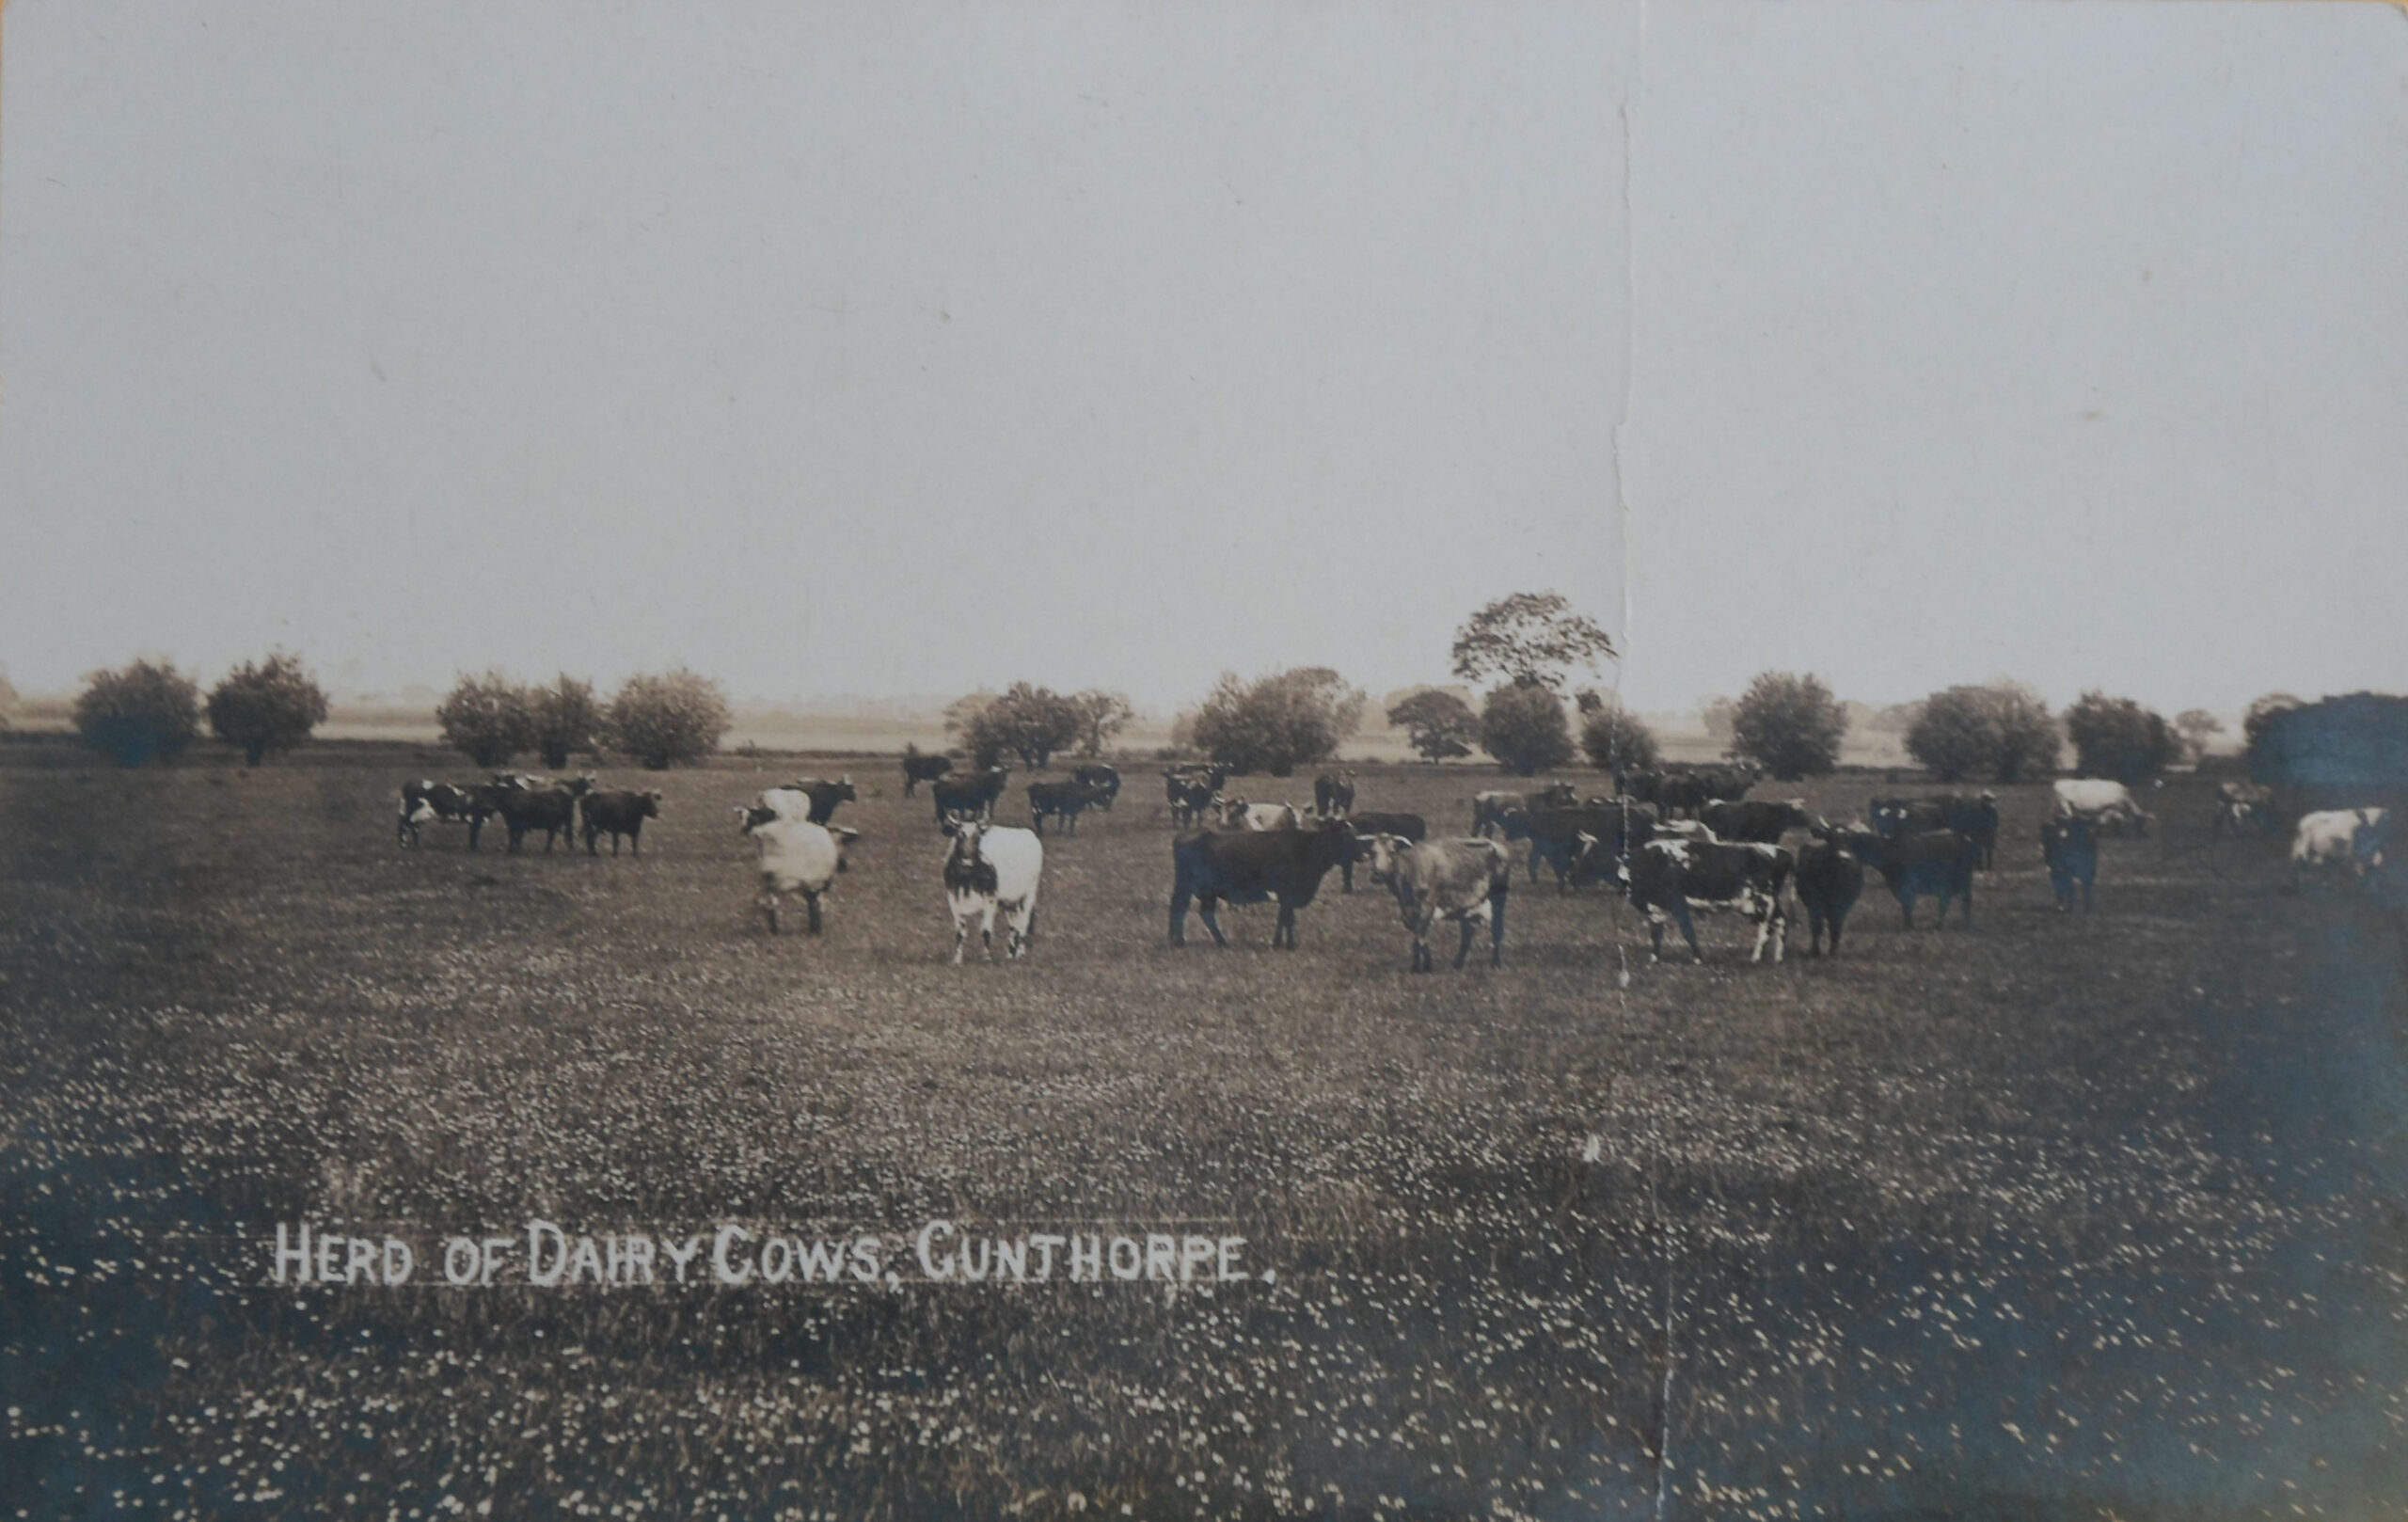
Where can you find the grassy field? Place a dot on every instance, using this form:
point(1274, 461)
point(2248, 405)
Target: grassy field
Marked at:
point(2051, 1216)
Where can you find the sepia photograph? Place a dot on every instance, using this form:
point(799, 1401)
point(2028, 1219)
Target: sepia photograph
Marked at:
point(1343, 760)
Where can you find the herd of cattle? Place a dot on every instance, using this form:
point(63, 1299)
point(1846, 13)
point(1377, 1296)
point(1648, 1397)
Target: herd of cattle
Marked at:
point(1672, 842)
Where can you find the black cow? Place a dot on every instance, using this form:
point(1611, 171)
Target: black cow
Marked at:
point(1555, 835)
point(1191, 793)
point(1830, 881)
point(1334, 793)
point(1404, 826)
point(918, 768)
point(1063, 800)
point(1935, 863)
point(552, 810)
point(825, 795)
point(469, 803)
point(1101, 780)
point(1669, 878)
point(2070, 849)
point(1975, 816)
point(975, 794)
point(1762, 822)
point(616, 815)
point(1246, 866)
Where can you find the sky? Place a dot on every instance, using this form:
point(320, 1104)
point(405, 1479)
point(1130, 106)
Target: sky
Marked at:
point(914, 348)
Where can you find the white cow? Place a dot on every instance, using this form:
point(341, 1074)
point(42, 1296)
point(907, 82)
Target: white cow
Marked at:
point(2337, 840)
point(1247, 816)
point(991, 867)
point(2100, 801)
point(796, 856)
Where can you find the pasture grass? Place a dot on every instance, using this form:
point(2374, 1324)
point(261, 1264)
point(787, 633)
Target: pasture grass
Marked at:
point(2050, 1216)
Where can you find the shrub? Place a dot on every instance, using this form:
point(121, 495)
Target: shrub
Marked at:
point(2262, 713)
point(2118, 738)
point(1031, 723)
point(1617, 741)
point(666, 719)
point(142, 712)
point(1524, 728)
point(562, 720)
point(1102, 718)
point(1279, 724)
point(1438, 723)
point(2001, 730)
point(269, 706)
point(1790, 726)
point(485, 718)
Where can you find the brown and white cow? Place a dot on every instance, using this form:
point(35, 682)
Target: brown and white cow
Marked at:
point(1463, 881)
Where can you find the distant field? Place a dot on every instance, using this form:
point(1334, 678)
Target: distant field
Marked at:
point(2047, 1216)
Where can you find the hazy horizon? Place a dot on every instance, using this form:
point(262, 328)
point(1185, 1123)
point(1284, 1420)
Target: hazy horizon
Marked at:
point(929, 348)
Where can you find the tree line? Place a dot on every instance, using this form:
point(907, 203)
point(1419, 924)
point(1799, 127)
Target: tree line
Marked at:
point(1531, 648)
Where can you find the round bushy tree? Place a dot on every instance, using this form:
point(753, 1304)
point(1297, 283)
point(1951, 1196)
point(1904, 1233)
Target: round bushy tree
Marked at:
point(1525, 729)
point(2000, 730)
point(1031, 723)
point(562, 720)
point(1279, 724)
point(1790, 726)
point(1102, 718)
point(148, 710)
point(272, 705)
point(1617, 741)
point(668, 720)
point(485, 718)
point(2119, 738)
point(1438, 723)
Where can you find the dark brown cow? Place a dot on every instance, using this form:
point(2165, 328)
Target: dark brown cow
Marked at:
point(552, 810)
point(1403, 826)
point(973, 795)
point(616, 815)
point(918, 768)
point(825, 795)
point(1830, 881)
point(1935, 863)
point(1334, 793)
point(1762, 822)
point(1246, 866)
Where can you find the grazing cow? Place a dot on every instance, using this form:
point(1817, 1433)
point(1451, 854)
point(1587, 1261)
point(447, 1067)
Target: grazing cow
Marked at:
point(1463, 881)
point(1681, 792)
point(1246, 866)
point(1935, 863)
point(1555, 835)
point(975, 794)
point(1101, 780)
point(1192, 795)
point(2241, 806)
point(618, 814)
point(552, 810)
point(1669, 878)
point(1975, 816)
point(2337, 840)
point(796, 856)
point(1489, 808)
point(1405, 826)
point(825, 795)
point(1762, 822)
point(2070, 850)
point(471, 803)
point(1245, 816)
point(1830, 880)
point(580, 785)
point(1334, 793)
point(991, 867)
point(918, 768)
point(2106, 804)
point(1063, 800)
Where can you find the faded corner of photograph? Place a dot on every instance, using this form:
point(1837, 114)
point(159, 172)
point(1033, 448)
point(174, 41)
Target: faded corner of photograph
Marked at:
point(1376, 760)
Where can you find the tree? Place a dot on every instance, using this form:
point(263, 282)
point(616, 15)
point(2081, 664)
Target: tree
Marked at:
point(269, 706)
point(1102, 718)
point(2118, 738)
point(1524, 728)
point(144, 711)
point(1531, 639)
point(1619, 741)
point(1790, 726)
point(1718, 717)
point(2000, 730)
point(2197, 727)
point(962, 714)
point(1438, 723)
point(1032, 722)
point(666, 720)
point(1281, 722)
point(2262, 713)
point(562, 720)
point(485, 718)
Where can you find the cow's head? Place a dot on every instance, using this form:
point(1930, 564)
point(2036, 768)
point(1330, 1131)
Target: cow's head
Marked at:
point(1227, 808)
point(963, 824)
point(750, 817)
point(650, 805)
point(1389, 852)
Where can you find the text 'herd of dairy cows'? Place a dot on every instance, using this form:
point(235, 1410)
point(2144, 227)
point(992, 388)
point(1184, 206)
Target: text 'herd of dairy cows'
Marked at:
point(1672, 842)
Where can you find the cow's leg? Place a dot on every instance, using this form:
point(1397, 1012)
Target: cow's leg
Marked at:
point(769, 905)
point(1497, 928)
point(1688, 928)
point(1346, 875)
point(812, 899)
point(1463, 947)
point(1286, 934)
point(1779, 932)
point(1762, 917)
point(960, 930)
point(2086, 894)
point(1179, 914)
point(1208, 906)
point(1906, 906)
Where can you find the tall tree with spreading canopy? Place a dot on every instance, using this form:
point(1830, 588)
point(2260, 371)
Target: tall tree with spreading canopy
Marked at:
point(1031, 723)
point(1531, 639)
point(2119, 738)
point(270, 705)
point(1789, 724)
point(1102, 718)
point(1436, 723)
point(148, 710)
